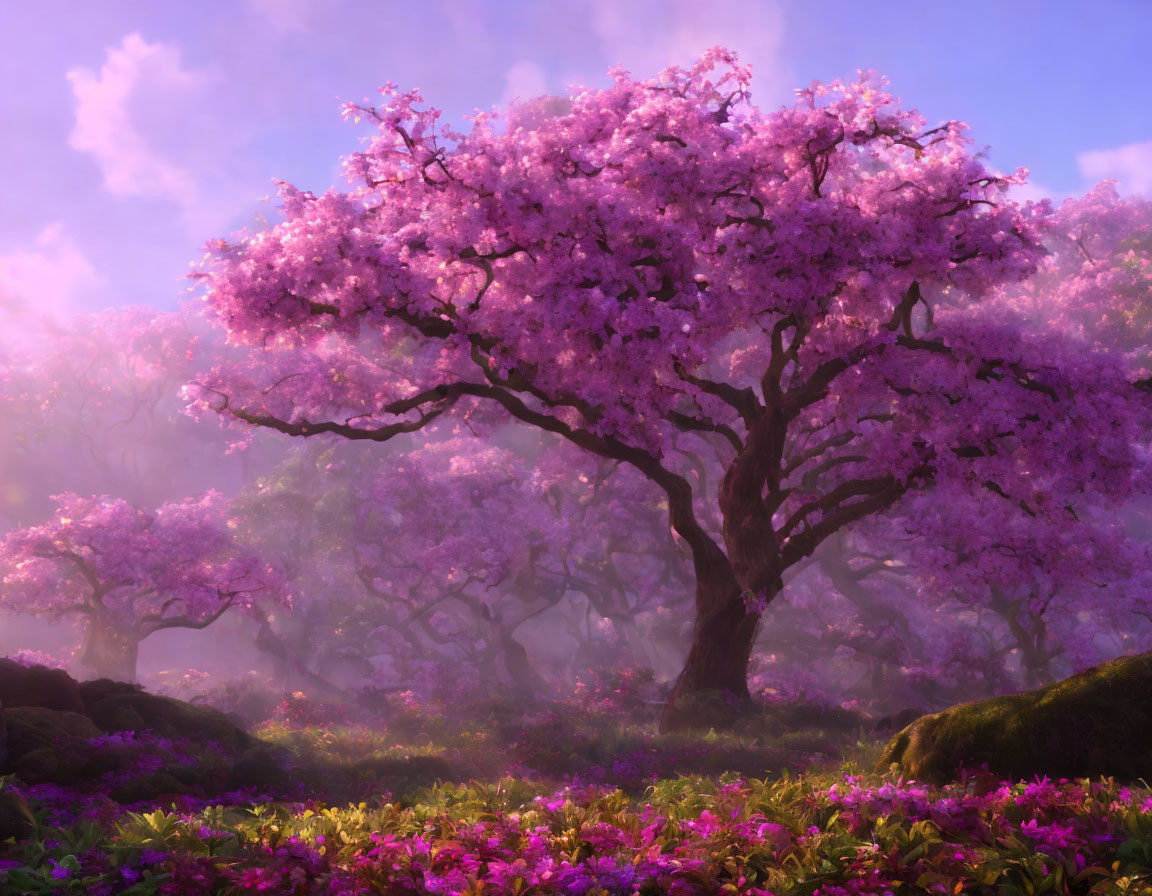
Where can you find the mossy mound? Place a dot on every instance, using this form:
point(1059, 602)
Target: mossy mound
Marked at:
point(38, 686)
point(15, 817)
point(1095, 723)
point(35, 727)
point(115, 706)
point(49, 745)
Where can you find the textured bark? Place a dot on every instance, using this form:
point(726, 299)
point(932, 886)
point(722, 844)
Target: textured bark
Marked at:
point(524, 679)
point(712, 689)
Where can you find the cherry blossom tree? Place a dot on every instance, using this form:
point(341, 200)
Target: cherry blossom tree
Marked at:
point(1096, 281)
point(665, 262)
point(96, 410)
point(129, 573)
point(1022, 601)
point(446, 552)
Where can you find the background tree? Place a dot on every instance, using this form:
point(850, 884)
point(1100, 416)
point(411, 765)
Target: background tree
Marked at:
point(97, 410)
point(458, 553)
point(129, 573)
point(1096, 281)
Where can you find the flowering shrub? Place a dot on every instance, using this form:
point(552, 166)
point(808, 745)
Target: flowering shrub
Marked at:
point(617, 692)
point(299, 710)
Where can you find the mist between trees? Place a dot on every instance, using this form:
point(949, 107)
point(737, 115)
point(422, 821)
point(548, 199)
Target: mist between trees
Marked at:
point(758, 406)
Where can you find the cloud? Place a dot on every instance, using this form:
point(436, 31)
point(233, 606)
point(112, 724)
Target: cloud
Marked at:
point(1130, 165)
point(159, 130)
point(524, 80)
point(646, 36)
point(44, 284)
point(106, 127)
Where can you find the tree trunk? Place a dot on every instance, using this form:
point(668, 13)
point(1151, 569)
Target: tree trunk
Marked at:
point(524, 679)
point(110, 653)
point(712, 689)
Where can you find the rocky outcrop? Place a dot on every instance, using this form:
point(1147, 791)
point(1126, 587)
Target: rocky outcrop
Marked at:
point(38, 686)
point(115, 706)
point(1097, 722)
point(66, 742)
point(897, 721)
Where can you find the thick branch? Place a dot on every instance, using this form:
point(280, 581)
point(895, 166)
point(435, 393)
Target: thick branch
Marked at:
point(702, 424)
point(743, 401)
point(185, 622)
point(887, 492)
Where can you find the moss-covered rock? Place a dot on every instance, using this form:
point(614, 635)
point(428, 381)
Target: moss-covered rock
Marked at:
point(35, 727)
point(1098, 722)
point(79, 766)
point(149, 788)
point(38, 686)
point(259, 768)
point(114, 706)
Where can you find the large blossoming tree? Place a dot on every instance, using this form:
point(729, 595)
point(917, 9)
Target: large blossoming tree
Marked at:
point(128, 573)
point(664, 264)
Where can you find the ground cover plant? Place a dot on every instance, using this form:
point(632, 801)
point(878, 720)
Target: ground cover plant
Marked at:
point(538, 816)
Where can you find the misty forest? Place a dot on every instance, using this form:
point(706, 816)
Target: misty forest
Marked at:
point(638, 491)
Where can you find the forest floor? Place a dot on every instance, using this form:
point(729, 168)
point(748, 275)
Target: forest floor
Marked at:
point(586, 801)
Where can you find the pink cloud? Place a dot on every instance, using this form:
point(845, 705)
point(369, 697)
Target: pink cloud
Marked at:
point(106, 127)
point(43, 284)
point(524, 80)
point(160, 130)
point(1130, 165)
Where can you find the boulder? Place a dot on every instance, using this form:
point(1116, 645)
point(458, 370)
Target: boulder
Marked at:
point(1095, 723)
point(897, 721)
point(148, 788)
point(114, 706)
point(258, 768)
point(200, 780)
point(79, 767)
point(38, 686)
point(34, 727)
point(99, 689)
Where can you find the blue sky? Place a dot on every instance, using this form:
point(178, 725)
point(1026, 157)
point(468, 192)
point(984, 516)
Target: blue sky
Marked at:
point(131, 132)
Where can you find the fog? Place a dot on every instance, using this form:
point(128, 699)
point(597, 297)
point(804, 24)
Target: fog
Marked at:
point(475, 558)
